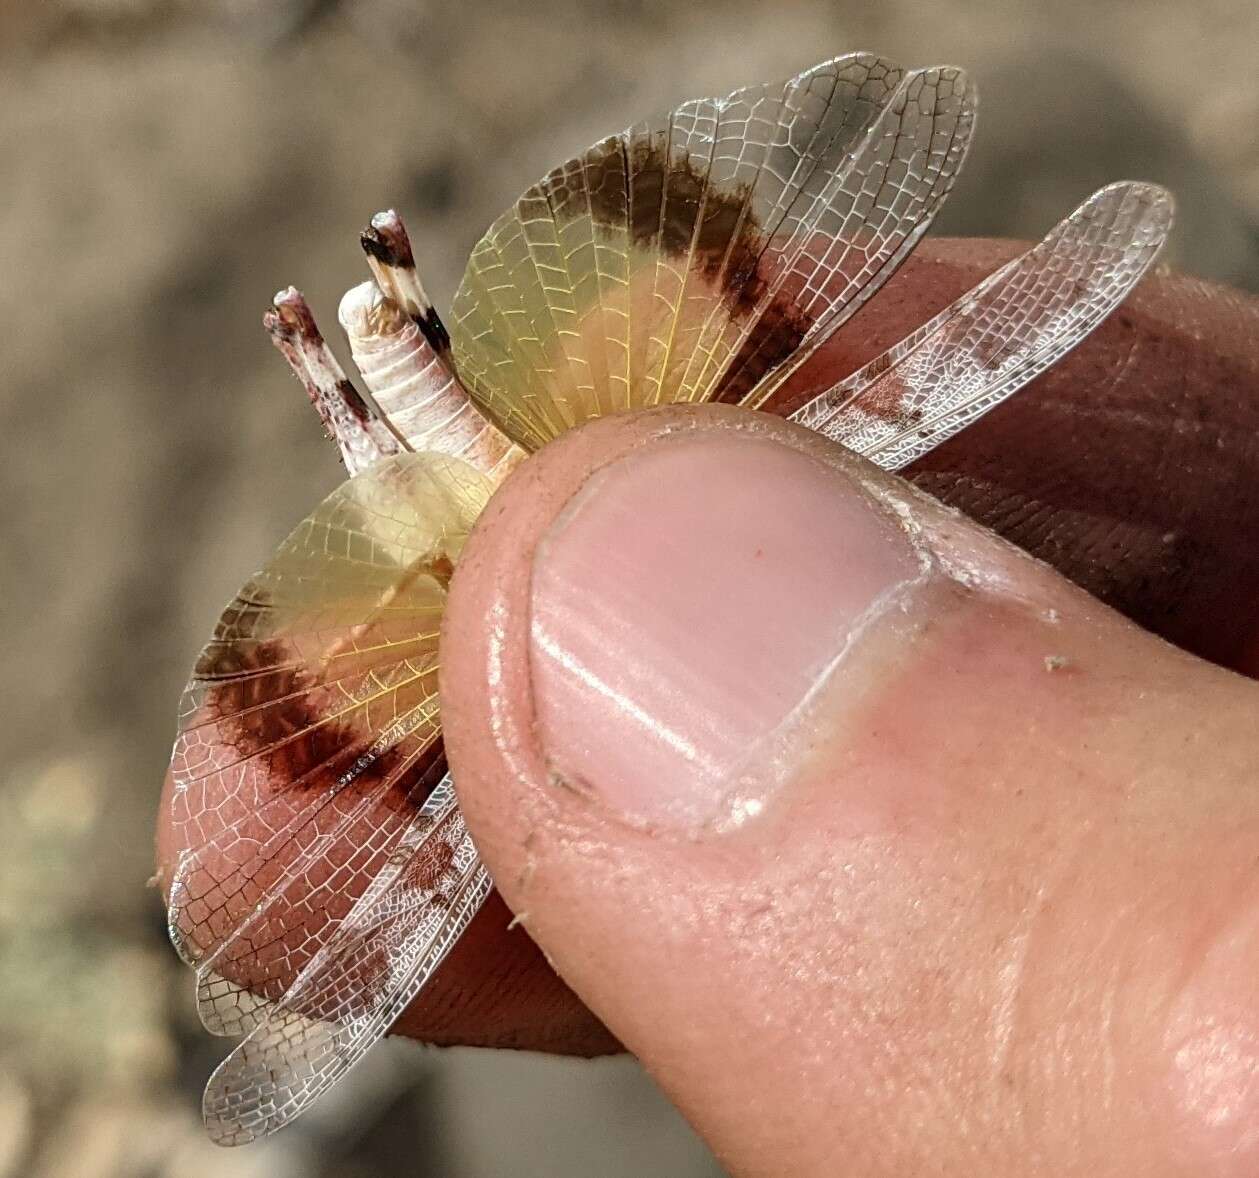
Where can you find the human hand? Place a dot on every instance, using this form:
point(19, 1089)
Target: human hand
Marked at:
point(986, 897)
point(1131, 466)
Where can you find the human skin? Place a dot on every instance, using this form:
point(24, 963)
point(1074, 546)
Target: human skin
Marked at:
point(1130, 467)
point(998, 909)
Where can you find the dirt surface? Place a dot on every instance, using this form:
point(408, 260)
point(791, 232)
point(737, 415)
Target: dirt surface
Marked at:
point(168, 166)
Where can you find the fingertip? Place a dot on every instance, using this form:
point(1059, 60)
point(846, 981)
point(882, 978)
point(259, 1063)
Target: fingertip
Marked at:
point(947, 839)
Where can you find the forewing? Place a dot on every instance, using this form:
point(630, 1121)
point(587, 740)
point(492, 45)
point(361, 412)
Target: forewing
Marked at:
point(354, 988)
point(999, 335)
point(701, 256)
point(856, 221)
point(309, 735)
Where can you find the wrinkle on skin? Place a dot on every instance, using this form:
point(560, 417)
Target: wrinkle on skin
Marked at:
point(1009, 970)
point(1129, 363)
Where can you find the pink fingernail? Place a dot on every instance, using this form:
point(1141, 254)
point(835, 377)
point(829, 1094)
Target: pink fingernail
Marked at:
point(685, 604)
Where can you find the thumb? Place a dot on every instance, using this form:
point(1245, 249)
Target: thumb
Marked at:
point(882, 846)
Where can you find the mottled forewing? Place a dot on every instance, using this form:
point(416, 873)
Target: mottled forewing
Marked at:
point(309, 735)
point(351, 991)
point(999, 335)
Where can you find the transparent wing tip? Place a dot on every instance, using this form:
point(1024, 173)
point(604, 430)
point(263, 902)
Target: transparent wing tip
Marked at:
point(1155, 205)
point(1135, 216)
point(1158, 197)
point(248, 1098)
point(962, 84)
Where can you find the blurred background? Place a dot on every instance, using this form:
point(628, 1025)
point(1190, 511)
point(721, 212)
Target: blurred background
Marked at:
point(168, 164)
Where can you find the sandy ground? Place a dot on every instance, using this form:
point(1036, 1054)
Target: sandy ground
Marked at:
point(167, 166)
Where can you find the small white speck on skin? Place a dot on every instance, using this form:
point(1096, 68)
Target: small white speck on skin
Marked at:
point(1055, 662)
point(744, 809)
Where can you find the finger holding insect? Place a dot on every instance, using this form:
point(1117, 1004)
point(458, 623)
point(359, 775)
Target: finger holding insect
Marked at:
point(708, 256)
point(858, 816)
point(1057, 471)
